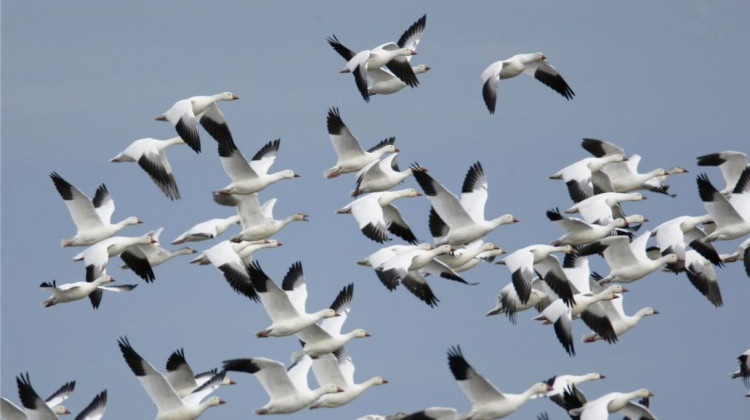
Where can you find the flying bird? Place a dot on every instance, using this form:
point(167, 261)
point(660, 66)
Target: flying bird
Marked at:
point(186, 113)
point(533, 64)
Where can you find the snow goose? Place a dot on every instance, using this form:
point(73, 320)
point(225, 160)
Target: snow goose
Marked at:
point(92, 288)
point(375, 214)
point(326, 338)
point(487, 401)
point(206, 230)
point(381, 175)
point(410, 268)
point(95, 409)
point(257, 221)
point(676, 234)
point(609, 321)
point(37, 408)
point(91, 217)
point(234, 270)
point(285, 305)
point(287, 389)
point(561, 315)
point(627, 260)
point(416, 283)
point(95, 257)
point(396, 56)
point(624, 176)
point(464, 218)
point(600, 408)
point(180, 376)
point(509, 303)
point(578, 231)
point(731, 215)
point(250, 176)
point(351, 156)
point(384, 82)
point(142, 257)
point(730, 163)
point(244, 250)
point(742, 253)
point(337, 368)
point(460, 259)
point(397, 416)
point(186, 113)
point(150, 155)
point(169, 405)
point(560, 383)
point(533, 64)
point(578, 175)
point(703, 277)
point(11, 411)
point(600, 208)
point(744, 371)
point(524, 262)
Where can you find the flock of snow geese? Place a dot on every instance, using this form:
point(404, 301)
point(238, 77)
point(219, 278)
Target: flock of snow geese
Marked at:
point(560, 291)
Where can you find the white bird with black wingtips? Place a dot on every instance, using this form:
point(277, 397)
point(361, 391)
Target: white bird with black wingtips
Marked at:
point(169, 405)
point(533, 64)
point(91, 288)
point(396, 56)
point(327, 337)
point(463, 220)
point(150, 155)
point(285, 305)
point(337, 368)
point(209, 229)
point(143, 257)
point(376, 215)
point(350, 155)
point(487, 401)
point(250, 176)
point(287, 389)
point(91, 217)
point(185, 114)
point(11, 411)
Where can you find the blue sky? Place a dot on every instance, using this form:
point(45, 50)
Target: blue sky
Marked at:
point(82, 80)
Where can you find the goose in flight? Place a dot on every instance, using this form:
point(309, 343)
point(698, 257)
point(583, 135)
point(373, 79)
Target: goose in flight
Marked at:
point(150, 155)
point(142, 257)
point(395, 56)
point(487, 401)
point(169, 404)
point(250, 176)
point(287, 389)
point(533, 64)
point(285, 305)
point(91, 217)
point(185, 114)
point(351, 156)
point(91, 288)
point(11, 411)
point(462, 220)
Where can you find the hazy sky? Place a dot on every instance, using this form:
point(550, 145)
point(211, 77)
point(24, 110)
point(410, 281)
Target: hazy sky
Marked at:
point(82, 80)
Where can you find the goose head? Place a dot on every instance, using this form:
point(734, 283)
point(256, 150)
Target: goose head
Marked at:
point(214, 401)
point(328, 313)
point(636, 218)
point(226, 96)
point(360, 333)
point(422, 68)
point(287, 174)
point(647, 312)
point(379, 380)
point(60, 409)
point(132, 220)
point(300, 217)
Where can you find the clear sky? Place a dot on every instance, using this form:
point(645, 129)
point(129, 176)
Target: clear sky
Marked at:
point(81, 80)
